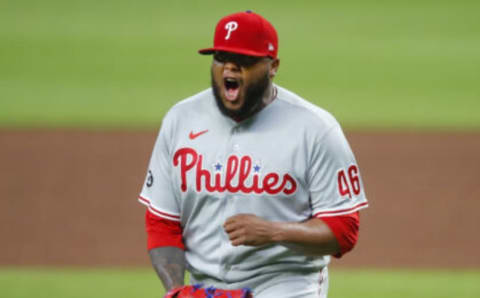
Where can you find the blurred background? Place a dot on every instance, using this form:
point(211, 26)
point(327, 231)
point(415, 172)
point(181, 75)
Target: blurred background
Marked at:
point(84, 86)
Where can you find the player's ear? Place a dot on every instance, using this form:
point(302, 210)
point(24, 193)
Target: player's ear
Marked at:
point(274, 68)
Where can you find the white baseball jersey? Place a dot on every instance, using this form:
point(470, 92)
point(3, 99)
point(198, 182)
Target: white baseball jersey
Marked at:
point(289, 162)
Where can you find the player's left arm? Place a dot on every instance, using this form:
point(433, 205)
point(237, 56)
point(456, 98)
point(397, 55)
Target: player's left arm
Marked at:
point(336, 196)
point(315, 237)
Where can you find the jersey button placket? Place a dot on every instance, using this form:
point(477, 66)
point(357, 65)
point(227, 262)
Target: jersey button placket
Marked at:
point(233, 148)
point(225, 247)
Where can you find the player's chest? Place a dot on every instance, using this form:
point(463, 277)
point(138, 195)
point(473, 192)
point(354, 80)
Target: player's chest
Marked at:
point(238, 161)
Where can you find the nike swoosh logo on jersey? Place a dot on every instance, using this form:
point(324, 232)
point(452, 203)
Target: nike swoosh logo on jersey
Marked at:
point(195, 135)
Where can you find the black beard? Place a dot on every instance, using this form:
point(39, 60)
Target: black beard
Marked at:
point(253, 99)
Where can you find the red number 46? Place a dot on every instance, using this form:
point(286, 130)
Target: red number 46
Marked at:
point(349, 182)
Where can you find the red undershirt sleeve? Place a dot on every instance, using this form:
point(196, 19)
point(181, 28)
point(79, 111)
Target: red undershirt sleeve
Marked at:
point(345, 228)
point(162, 232)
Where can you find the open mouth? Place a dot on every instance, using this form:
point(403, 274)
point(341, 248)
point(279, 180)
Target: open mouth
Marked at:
point(232, 88)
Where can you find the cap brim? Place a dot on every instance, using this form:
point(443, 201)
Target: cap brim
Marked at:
point(210, 51)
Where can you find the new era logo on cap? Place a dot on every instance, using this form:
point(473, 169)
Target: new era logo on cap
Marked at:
point(245, 33)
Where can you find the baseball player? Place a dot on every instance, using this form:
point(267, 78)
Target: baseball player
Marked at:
point(249, 185)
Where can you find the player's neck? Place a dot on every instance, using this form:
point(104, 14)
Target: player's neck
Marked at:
point(270, 95)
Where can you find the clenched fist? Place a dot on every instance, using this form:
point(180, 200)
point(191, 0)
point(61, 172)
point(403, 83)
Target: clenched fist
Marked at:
point(249, 229)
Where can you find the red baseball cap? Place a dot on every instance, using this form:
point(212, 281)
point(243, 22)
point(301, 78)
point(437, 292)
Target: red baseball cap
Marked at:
point(245, 33)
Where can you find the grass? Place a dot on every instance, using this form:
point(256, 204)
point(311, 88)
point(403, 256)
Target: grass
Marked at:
point(394, 64)
point(404, 283)
point(69, 283)
point(101, 283)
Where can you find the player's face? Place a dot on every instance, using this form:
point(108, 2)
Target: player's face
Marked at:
point(241, 82)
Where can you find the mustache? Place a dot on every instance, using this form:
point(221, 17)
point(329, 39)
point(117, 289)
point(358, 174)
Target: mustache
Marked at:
point(254, 93)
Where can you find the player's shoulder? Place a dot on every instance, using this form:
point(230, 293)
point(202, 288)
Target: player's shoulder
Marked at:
point(305, 111)
point(194, 104)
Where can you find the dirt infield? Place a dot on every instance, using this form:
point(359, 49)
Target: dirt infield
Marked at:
point(69, 198)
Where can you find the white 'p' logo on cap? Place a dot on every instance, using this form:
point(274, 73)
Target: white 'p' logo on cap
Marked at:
point(230, 27)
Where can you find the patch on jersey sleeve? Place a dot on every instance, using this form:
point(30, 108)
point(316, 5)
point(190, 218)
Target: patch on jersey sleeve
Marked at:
point(149, 182)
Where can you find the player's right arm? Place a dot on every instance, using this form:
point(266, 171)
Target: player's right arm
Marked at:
point(162, 219)
point(169, 263)
point(166, 250)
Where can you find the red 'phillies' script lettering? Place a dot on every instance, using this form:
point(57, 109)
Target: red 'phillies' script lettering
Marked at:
point(236, 167)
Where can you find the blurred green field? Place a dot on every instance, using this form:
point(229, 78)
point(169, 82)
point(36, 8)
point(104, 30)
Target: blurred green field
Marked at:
point(122, 64)
point(133, 283)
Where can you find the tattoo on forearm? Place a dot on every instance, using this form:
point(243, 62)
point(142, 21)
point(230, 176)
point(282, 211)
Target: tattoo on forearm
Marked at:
point(169, 263)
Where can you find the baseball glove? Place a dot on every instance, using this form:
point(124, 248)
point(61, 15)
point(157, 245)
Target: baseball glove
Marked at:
point(198, 291)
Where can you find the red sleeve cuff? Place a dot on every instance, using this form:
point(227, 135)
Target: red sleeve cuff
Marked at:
point(345, 228)
point(162, 232)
